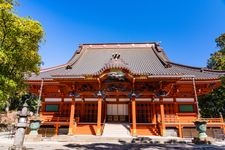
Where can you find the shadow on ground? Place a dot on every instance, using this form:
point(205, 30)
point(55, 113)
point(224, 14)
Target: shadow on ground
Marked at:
point(126, 146)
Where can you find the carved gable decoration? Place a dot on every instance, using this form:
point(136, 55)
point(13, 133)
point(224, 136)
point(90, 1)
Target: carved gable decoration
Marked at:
point(115, 62)
point(85, 88)
point(116, 74)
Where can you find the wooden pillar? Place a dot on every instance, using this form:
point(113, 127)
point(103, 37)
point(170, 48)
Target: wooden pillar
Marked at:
point(180, 131)
point(56, 129)
point(99, 117)
point(153, 113)
point(134, 126)
point(222, 122)
point(61, 104)
point(72, 112)
point(82, 110)
point(162, 114)
point(43, 103)
point(105, 110)
point(175, 105)
point(42, 107)
point(129, 112)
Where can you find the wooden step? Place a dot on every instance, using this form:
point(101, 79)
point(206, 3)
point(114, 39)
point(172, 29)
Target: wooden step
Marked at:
point(147, 130)
point(86, 129)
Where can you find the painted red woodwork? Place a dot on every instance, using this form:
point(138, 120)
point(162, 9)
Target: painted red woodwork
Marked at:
point(72, 112)
point(99, 117)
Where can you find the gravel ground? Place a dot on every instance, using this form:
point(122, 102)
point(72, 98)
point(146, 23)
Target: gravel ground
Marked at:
point(101, 143)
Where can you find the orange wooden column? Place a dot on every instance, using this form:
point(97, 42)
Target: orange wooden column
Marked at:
point(162, 114)
point(72, 112)
point(134, 126)
point(222, 122)
point(99, 117)
point(61, 104)
point(175, 106)
point(180, 131)
point(153, 113)
point(43, 103)
point(82, 110)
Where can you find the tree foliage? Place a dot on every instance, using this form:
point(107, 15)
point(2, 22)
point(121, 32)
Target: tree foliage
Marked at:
point(30, 99)
point(217, 59)
point(19, 43)
point(213, 104)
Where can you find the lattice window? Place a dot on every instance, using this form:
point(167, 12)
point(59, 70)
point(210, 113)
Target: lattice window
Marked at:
point(77, 110)
point(90, 112)
point(143, 113)
point(66, 109)
point(169, 109)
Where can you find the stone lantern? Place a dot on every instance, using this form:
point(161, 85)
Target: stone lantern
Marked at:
point(20, 129)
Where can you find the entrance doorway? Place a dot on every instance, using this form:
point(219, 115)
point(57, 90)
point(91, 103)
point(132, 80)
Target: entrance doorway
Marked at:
point(117, 113)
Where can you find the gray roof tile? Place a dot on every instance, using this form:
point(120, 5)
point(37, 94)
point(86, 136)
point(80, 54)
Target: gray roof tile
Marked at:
point(139, 60)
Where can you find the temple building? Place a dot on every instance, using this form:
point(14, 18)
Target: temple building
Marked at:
point(123, 83)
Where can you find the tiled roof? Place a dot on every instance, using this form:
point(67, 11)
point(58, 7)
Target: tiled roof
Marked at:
point(139, 59)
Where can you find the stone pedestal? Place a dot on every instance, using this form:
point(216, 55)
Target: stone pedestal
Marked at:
point(33, 138)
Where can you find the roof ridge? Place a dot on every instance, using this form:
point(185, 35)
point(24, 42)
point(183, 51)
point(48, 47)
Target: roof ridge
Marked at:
point(52, 68)
point(114, 43)
point(77, 53)
point(158, 49)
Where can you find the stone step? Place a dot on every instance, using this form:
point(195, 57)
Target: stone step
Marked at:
point(116, 130)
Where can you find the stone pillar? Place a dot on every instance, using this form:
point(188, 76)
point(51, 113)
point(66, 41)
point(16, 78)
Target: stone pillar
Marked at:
point(99, 117)
point(162, 114)
point(72, 112)
point(133, 107)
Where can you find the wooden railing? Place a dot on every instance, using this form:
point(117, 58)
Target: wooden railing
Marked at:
point(214, 120)
point(171, 120)
point(53, 119)
point(190, 119)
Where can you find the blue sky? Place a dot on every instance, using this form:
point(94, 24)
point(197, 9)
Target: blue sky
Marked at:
point(186, 29)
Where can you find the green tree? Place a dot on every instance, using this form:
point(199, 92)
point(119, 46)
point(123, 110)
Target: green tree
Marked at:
point(19, 43)
point(217, 59)
point(30, 99)
point(213, 104)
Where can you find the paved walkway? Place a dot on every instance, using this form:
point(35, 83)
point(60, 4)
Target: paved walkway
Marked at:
point(100, 143)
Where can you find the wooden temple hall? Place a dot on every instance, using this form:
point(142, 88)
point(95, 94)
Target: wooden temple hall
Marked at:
point(123, 83)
